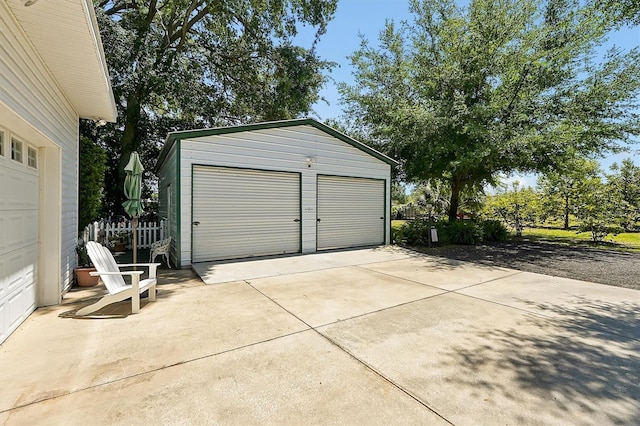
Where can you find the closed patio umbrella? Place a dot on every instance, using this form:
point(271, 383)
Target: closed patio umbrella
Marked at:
point(133, 190)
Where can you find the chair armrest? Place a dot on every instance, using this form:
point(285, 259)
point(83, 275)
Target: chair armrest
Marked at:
point(138, 264)
point(97, 274)
point(153, 267)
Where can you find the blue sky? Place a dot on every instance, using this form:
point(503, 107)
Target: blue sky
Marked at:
point(367, 17)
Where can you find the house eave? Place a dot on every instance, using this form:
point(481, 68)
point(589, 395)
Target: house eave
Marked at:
point(65, 35)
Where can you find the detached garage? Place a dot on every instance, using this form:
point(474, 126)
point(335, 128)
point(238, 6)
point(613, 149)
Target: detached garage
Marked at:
point(294, 186)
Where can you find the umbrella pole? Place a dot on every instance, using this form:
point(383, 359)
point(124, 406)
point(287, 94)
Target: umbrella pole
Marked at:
point(135, 239)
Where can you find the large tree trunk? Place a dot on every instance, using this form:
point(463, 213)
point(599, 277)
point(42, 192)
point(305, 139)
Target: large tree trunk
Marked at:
point(454, 202)
point(130, 142)
point(130, 135)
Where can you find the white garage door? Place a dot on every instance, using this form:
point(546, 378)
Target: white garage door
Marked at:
point(18, 236)
point(351, 212)
point(243, 213)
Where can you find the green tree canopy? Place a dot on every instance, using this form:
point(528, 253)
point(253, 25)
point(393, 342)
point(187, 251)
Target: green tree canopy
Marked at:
point(625, 185)
point(437, 193)
point(621, 11)
point(462, 94)
point(596, 210)
point(518, 206)
point(564, 187)
point(179, 64)
point(398, 194)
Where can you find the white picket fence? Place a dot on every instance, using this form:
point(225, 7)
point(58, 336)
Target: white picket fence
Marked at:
point(103, 231)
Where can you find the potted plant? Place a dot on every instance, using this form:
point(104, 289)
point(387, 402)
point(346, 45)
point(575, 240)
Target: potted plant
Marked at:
point(85, 267)
point(118, 241)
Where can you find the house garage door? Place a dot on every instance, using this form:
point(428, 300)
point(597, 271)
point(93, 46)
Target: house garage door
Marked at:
point(18, 237)
point(242, 213)
point(351, 212)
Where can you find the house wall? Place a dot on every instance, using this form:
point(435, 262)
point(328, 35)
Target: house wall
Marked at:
point(168, 188)
point(277, 149)
point(34, 108)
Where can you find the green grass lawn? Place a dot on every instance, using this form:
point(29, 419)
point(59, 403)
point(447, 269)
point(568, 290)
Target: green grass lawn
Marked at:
point(396, 224)
point(631, 240)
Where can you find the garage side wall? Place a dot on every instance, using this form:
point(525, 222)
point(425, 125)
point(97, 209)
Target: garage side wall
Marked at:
point(277, 149)
point(168, 197)
point(41, 116)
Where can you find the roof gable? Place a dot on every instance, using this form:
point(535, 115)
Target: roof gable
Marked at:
point(190, 134)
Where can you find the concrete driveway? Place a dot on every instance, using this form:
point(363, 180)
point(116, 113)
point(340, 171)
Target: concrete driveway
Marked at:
point(375, 336)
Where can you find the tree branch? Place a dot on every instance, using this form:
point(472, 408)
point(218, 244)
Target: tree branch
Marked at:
point(181, 33)
point(152, 11)
point(117, 7)
point(507, 112)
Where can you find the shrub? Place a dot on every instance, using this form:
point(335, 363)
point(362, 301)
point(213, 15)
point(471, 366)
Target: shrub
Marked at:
point(441, 227)
point(397, 234)
point(494, 230)
point(465, 232)
point(598, 229)
point(416, 232)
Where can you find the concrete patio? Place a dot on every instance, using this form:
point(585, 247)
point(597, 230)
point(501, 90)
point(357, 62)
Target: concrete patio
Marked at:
point(373, 336)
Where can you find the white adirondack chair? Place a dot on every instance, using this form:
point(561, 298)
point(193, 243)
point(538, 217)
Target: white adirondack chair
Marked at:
point(160, 248)
point(112, 277)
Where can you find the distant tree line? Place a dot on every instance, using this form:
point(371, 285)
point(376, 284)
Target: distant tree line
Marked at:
point(581, 197)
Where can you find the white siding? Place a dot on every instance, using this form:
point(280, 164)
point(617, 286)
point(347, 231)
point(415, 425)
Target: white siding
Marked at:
point(309, 187)
point(28, 90)
point(277, 149)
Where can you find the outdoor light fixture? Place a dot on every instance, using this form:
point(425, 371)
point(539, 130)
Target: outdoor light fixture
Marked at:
point(310, 161)
point(28, 3)
point(99, 122)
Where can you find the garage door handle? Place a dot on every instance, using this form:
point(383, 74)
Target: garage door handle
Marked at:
point(382, 218)
point(196, 223)
point(296, 220)
point(318, 220)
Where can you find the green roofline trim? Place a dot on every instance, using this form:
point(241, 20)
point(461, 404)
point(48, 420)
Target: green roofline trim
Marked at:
point(172, 137)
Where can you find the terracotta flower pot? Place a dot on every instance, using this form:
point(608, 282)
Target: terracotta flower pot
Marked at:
point(119, 247)
point(83, 279)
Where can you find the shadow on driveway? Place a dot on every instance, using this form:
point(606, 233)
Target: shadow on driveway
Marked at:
point(585, 361)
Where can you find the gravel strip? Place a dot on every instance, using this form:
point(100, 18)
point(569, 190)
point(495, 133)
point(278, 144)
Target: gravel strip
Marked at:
point(617, 268)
